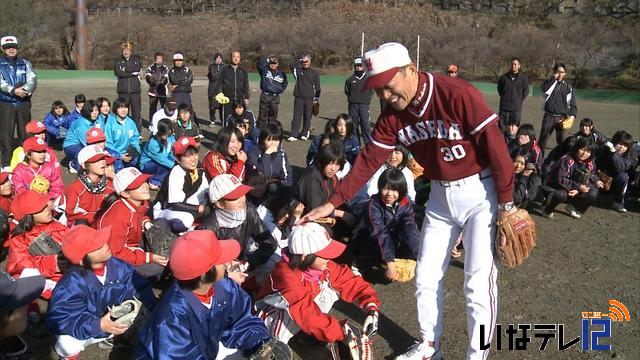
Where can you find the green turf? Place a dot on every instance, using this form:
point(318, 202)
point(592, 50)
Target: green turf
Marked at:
point(600, 95)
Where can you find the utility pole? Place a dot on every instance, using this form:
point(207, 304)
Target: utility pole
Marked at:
point(82, 36)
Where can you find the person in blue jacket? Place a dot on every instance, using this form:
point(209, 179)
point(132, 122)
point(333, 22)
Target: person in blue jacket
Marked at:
point(57, 122)
point(204, 313)
point(76, 137)
point(391, 222)
point(123, 138)
point(156, 157)
point(273, 82)
point(79, 310)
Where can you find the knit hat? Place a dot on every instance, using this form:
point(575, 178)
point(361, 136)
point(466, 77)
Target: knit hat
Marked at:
point(195, 252)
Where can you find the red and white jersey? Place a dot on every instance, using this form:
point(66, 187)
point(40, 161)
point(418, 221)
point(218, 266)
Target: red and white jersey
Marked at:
point(450, 131)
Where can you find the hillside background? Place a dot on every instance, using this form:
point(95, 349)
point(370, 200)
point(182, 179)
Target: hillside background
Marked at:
point(598, 40)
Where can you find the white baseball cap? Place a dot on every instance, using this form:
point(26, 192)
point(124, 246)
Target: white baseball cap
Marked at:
point(178, 56)
point(91, 153)
point(129, 178)
point(8, 40)
point(384, 62)
point(312, 238)
point(228, 187)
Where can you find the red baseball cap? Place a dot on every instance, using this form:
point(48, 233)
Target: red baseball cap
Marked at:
point(34, 144)
point(95, 135)
point(4, 176)
point(195, 252)
point(27, 203)
point(183, 143)
point(82, 240)
point(313, 238)
point(383, 63)
point(36, 127)
point(129, 178)
point(110, 160)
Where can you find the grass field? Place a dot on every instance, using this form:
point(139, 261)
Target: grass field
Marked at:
point(577, 266)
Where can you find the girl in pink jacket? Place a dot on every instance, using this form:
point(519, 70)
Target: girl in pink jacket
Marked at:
point(35, 172)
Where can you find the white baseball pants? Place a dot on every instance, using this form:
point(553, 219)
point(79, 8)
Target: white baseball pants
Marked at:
point(468, 205)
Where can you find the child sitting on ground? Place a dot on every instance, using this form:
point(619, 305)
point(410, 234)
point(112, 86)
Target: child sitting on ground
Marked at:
point(35, 172)
point(157, 157)
point(57, 122)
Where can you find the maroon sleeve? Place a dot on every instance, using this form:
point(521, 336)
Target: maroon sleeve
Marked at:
point(369, 160)
point(482, 124)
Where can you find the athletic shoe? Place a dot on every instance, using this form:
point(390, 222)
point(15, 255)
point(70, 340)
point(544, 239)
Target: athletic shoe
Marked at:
point(419, 351)
point(573, 212)
point(72, 170)
point(619, 207)
point(292, 138)
point(548, 215)
point(304, 138)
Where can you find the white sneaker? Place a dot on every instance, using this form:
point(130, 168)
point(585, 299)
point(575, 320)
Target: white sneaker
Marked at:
point(573, 212)
point(305, 137)
point(419, 351)
point(292, 138)
point(72, 170)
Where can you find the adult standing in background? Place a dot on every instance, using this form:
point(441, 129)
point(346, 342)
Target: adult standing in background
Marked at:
point(213, 75)
point(180, 80)
point(359, 100)
point(234, 84)
point(157, 76)
point(273, 82)
point(127, 68)
point(305, 94)
point(452, 70)
point(513, 88)
point(559, 103)
point(17, 84)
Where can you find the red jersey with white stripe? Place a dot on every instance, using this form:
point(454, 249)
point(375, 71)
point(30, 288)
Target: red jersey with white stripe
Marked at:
point(449, 130)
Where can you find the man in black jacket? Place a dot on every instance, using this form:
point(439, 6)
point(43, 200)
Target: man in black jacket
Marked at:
point(359, 100)
point(157, 76)
point(513, 88)
point(305, 94)
point(180, 79)
point(127, 68)
point(213, 75)
point(273, 82)
point(559, 103)
point(234, 84)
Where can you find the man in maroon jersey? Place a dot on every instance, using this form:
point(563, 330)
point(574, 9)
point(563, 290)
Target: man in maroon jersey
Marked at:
point(454, 135)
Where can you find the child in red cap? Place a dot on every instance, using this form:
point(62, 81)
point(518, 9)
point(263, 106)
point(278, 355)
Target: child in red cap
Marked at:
point(305, 284)
point(125, 212)
point(38, 130)
point(204, 312)
point(183, 195)
point(95, 281)
point(32, 211)
point(35, 172)
point(86, 194)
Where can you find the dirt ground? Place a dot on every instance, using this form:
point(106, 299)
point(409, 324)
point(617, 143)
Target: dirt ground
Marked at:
point(577, 266)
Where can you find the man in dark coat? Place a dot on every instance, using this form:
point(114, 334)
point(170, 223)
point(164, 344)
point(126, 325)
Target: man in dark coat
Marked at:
point(127, 68)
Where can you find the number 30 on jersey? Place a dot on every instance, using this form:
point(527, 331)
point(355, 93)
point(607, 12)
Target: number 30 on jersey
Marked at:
point(454, 152)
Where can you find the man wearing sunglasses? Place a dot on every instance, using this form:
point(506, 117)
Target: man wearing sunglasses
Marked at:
point(17, 84)
point(305, 93)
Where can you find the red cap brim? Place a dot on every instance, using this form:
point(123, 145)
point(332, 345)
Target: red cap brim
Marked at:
point(4, 177)
point(110, 160)
point(229, 250)
point(332, 251)
point(381, 79)
point(141, 179)
point(95, 158)
point(238, 192)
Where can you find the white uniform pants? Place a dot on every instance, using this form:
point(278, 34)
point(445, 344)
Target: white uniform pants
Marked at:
point(469, 204)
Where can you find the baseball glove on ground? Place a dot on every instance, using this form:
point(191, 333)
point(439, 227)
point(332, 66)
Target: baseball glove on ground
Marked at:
point(406, 269)
point(159, 240)
point(126, 312)
point(44, 245)
point(520, 232)
point(355, 346)
point(315, 109)
point(272, 350)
